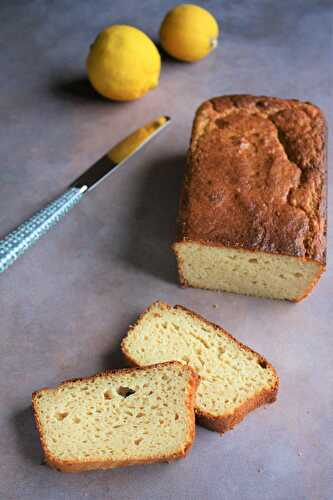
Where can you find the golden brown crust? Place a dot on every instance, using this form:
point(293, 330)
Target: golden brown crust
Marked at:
point(224, 424)
point(80, 466)
point(256, 177)
point(220, 423)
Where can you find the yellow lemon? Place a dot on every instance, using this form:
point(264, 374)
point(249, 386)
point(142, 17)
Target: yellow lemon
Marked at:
point(189, 32)
point(123, 63)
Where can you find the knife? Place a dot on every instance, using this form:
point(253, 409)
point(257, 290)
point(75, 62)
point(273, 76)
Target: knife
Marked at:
point(29, 232)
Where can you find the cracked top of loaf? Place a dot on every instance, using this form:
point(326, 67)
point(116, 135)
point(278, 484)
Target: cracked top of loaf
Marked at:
point(256, 176)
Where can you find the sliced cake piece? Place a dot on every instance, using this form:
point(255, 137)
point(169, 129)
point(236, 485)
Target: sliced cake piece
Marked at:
point(252, 215)
point(117, 418)
point(233, 379)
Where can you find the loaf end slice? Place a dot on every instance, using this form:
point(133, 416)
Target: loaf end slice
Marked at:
point(234, 379)
point(117, 418)
point(252, 216)
point(261, 274)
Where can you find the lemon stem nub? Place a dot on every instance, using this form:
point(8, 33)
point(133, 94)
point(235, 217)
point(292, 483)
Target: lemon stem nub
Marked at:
point(214, 43)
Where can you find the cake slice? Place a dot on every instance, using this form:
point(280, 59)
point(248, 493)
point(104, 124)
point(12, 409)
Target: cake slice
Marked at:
point(117, 418)
point(252, 215)
point(234, 380)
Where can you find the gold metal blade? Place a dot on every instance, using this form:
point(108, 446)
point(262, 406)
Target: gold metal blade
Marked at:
point(117, 155)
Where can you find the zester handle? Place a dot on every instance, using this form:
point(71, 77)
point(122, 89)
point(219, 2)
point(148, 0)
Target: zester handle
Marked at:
point(29, 232)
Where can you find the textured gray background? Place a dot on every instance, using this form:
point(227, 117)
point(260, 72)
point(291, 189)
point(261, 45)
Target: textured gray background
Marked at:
point(66, 304)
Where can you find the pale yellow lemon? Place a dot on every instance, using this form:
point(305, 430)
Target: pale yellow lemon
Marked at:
point(189, 32)
point(123, 63)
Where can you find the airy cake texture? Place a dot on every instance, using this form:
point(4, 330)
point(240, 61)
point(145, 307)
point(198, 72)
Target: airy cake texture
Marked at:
point(252, 215)
point(233, 379)
point(117, 418)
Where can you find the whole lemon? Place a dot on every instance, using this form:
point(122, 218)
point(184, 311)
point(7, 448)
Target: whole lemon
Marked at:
point(189, 32)
point(123, 63)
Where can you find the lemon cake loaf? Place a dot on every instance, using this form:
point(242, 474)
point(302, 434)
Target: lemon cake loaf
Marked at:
point(233, 379)
point(252, 215)
point(117, 418)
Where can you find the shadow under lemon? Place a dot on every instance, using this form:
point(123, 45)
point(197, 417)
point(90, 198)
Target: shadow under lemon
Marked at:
point(80, 89)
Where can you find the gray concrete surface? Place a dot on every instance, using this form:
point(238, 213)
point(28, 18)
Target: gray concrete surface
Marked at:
point(66, 304)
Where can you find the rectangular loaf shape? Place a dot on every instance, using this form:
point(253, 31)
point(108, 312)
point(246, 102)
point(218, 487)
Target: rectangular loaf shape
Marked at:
point(252, 215)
